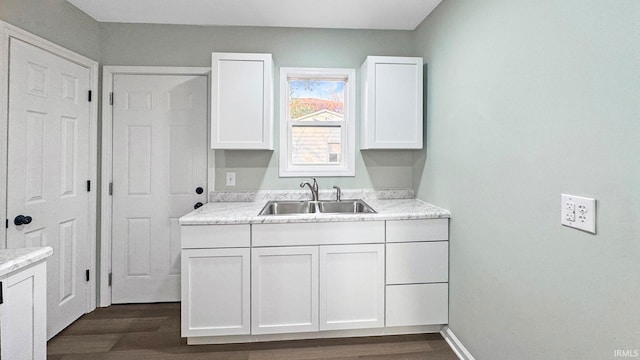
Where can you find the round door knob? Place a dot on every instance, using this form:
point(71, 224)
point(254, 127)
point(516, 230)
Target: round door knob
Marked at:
point(22, 220)
point(199, 190)
point(197, 205)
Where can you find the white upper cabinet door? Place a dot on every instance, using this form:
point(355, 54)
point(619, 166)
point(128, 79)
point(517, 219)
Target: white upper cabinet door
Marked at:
point(351, 287)
point(391, 103)
point(242, 101)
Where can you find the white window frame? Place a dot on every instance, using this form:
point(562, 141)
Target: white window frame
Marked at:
point(346, 167)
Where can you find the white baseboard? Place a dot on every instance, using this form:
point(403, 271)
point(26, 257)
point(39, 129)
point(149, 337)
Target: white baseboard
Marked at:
point(455, 344)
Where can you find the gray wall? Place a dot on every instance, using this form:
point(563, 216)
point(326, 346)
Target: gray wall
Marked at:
point(527, 100)
point(57, 21)
point(176, 45)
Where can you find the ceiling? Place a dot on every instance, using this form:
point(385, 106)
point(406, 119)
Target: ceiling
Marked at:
point(339, 14)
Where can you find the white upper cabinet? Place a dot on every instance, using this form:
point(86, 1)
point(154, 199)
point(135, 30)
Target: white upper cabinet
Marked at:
point(391, 103)
point(241, 101)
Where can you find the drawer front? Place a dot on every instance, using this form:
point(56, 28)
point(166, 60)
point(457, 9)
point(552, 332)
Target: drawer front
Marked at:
point(215, 236)
point(418, 262)
point(327, 233)
point(421, 304)
point(418, 230)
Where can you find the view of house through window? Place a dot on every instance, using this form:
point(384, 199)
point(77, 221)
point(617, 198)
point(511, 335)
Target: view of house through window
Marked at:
point(316, 116)
point(317, 122)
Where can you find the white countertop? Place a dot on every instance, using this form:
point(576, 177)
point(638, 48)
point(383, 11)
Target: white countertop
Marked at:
point(247, 213)
point(15, 259)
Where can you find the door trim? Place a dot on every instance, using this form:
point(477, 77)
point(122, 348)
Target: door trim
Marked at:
point(108, 73)
point(8, 32)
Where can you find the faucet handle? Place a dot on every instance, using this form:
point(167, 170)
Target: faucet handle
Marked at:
point(338, 192)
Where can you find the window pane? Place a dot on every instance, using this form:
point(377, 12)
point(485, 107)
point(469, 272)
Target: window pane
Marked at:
point(315, 144)
point(316, 100)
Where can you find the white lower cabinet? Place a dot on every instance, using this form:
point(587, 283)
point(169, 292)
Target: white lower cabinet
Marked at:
point(215, 292)
point(417, 276)
point(24, 314)
point(270, 280)
point(284, 289)
point(351, 287)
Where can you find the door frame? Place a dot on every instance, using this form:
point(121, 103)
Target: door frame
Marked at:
point(8, 32)
point(108, 73)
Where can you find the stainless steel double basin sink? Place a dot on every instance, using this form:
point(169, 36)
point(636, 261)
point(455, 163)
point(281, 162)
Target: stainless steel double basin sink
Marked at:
point(279, 207)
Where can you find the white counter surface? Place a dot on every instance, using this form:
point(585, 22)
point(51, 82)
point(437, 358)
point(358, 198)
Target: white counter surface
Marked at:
point(247, 213)
point(15, 259)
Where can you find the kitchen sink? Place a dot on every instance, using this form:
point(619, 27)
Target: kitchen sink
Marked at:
point(345, 207)
point(288, 207)
point(284, 207)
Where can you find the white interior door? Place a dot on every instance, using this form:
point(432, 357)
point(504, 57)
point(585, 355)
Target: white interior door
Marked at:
point(159, 162)
point(48, 167)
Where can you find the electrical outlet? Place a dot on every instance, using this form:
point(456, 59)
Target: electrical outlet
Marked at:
point(579, 212)
point(231, 179)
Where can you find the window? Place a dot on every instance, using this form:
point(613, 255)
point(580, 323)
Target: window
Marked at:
point(317, 122)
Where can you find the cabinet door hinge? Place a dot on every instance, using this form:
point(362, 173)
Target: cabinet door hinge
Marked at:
point(110, 278)
point(6, 224)
point(110, 188)
point(88, 185)
point(110, 98)
point(89, 95)
point(1, 297)
point(86, 275)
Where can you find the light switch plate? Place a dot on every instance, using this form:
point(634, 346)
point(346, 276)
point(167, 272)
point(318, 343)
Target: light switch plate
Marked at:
point(231, 179)
point(578, 212)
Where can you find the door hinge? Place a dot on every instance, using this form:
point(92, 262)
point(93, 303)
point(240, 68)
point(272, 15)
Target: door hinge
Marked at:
point(89, 95)
point(110, 98)
point(110, 278)
point(86, 275)
point(88, 185)
point(1, 297)
point(110, 188)
point(6, 224)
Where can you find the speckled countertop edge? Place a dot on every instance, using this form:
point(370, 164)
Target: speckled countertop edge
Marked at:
point(247, 213)
point(12, 260)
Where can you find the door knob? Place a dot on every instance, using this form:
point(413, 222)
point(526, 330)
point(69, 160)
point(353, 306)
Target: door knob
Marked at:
point(22, 220)
point(199, 190)
point(197, 205)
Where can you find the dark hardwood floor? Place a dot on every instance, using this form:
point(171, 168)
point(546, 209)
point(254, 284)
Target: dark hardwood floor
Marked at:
point(152, 332)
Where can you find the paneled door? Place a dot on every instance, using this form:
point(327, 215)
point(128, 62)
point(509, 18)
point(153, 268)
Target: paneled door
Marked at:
point(48, 169)
point(284, 290)
point(351, 286)
point(159, 174)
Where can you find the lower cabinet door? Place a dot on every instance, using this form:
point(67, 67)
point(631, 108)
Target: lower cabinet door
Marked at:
point(284, 290)
point(24, 314)
point(351, 287)
point(215, 292)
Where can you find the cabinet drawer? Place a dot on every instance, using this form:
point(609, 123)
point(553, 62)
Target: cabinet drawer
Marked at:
point(418, 230)
point(215, 236)
point(418, 262)
point(328, 233)
point(421, 304)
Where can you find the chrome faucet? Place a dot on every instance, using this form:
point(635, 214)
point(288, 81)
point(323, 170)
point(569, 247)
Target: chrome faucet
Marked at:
point(338, 192)
point(313, 188)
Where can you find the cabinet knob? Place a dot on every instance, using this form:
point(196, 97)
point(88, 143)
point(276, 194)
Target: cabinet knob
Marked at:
point(199, 190)
point(197, 205)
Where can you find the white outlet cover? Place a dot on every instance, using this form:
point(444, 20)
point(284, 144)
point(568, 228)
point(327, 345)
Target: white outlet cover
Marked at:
point(578, 212)
point(231, 179)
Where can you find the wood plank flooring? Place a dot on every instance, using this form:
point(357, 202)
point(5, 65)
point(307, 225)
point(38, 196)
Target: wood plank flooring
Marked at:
point(152, 332)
